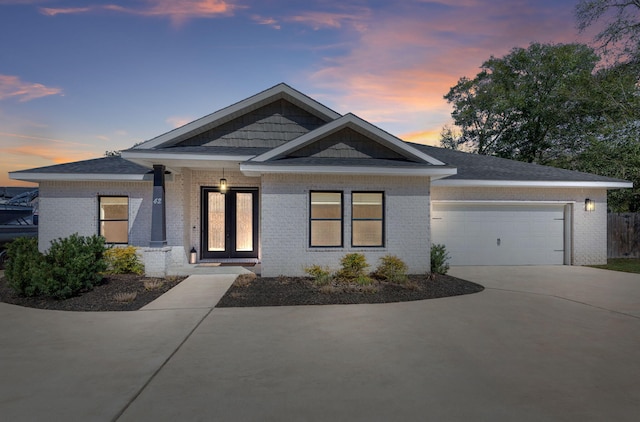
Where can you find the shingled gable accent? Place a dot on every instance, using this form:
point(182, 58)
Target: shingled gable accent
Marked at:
point(356, 124)
point(227, 114)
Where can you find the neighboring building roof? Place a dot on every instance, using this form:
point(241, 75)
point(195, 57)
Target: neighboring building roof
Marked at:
point(105, 168)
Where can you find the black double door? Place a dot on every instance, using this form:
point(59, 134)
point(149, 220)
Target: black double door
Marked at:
point(229, 223)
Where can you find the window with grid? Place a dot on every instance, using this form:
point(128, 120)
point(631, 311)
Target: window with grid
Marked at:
point(367, 219)
point(114, 218)
point(325, 219)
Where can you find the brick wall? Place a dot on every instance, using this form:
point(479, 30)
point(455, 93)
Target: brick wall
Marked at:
point(285, 221)
point(588, 229)
point(72, 207)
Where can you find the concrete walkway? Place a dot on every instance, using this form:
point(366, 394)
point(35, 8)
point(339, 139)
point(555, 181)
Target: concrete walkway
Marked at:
point(525, 349)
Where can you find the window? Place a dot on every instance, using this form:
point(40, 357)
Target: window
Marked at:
point(367, 219)
point(325, 225)
point(114, 218)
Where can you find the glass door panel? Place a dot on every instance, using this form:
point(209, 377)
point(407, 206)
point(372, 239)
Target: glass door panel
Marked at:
point(216, 222)
point(244, 222)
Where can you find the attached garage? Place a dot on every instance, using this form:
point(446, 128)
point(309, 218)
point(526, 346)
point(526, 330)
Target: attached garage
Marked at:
point(490, 233)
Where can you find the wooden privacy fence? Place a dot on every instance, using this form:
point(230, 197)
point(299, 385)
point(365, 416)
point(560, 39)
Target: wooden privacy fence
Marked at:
point(623, 235)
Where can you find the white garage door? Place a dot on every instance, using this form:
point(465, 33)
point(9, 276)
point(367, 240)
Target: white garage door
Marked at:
point(490, 234)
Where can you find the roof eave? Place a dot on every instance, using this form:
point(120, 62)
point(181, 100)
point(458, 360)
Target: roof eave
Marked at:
point(435, 172)
point(78, 177)
point(533, 184)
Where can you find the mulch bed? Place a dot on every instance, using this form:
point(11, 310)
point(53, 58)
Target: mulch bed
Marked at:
point(287, 291)
point(101, 298)
point(250, 291)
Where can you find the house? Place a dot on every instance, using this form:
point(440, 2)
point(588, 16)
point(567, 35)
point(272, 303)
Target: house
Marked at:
point(282, 179)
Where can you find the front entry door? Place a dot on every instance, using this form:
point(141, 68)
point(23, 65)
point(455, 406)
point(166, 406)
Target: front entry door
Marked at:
point(229, 223)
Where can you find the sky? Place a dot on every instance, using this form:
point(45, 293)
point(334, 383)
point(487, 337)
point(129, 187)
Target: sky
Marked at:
point(78, 78)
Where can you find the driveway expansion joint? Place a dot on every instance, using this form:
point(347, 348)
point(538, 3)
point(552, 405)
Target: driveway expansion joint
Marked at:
point(567, 299)
point(160, 368)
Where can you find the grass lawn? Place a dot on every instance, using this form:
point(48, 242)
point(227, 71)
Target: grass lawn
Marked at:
point(628, 265)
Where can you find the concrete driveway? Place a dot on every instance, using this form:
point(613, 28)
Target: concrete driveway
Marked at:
point(540, 343)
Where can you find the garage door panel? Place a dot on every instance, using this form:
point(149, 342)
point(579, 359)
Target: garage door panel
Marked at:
point(479, 234)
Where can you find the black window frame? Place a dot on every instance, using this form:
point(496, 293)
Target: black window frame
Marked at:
point(100, 219)
point(341, 219)
point(382, 220)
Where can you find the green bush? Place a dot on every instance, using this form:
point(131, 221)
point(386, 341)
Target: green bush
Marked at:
point(391, 269)
point(70, 266)
point(123, 260)
point(321, 276)
point(353, 267)
point(26, 270)
point(77, 264)
point(439, 258)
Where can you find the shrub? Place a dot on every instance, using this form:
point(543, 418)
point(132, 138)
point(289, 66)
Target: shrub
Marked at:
point(125, 297)
point(439, 258)
point(321, 276)
point(77, 264)
point(353, 267)
point(26, 270)
point(70, 266)
point(123, 260)
point(391, 269)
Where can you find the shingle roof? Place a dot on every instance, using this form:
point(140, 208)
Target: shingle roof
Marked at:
point(485, 167)
point(104, 165)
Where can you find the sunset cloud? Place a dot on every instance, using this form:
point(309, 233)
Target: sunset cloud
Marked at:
point(398, 70)
point(266, 21)
point(178, 121)
point(178, 11)
point(14, 87)
point(355, 17)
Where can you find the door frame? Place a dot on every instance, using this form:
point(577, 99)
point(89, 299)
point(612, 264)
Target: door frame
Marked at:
point(230, 224)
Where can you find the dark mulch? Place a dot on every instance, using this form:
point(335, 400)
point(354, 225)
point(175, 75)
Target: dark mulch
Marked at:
point(285, 291)
point(101, 298)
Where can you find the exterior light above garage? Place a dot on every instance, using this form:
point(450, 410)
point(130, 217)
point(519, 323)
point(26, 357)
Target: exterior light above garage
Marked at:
point(589, 205)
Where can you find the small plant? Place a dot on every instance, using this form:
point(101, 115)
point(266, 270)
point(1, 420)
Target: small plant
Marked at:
point(123, 260)
point(243, 280)
point(391, 269)
point(125, 297)
point(439, 258)
point(153, 284)
point(321, 276)
point(364, 280)
point(353, 267)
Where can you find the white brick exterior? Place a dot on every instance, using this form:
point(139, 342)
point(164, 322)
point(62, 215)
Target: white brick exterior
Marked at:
point(588, 229)
point(72, 207)
point(285, 221)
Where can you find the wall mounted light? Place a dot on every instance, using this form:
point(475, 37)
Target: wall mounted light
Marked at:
point(589, 205)
point(223, 184)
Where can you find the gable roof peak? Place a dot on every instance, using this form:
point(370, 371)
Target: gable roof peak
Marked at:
point(276, 92)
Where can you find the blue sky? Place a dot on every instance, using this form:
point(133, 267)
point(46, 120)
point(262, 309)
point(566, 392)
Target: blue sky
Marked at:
point(78, 78)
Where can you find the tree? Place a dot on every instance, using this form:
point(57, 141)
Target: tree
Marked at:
point(616, 153)
point(620, 38)
point(532, 105)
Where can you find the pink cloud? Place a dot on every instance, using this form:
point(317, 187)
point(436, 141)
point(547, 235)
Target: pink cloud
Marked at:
point(399, 68)
point(266, 21)
point(355, 17)
point(63, 11)
point(13, 87)
point(178, 121)
point(179, 11)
